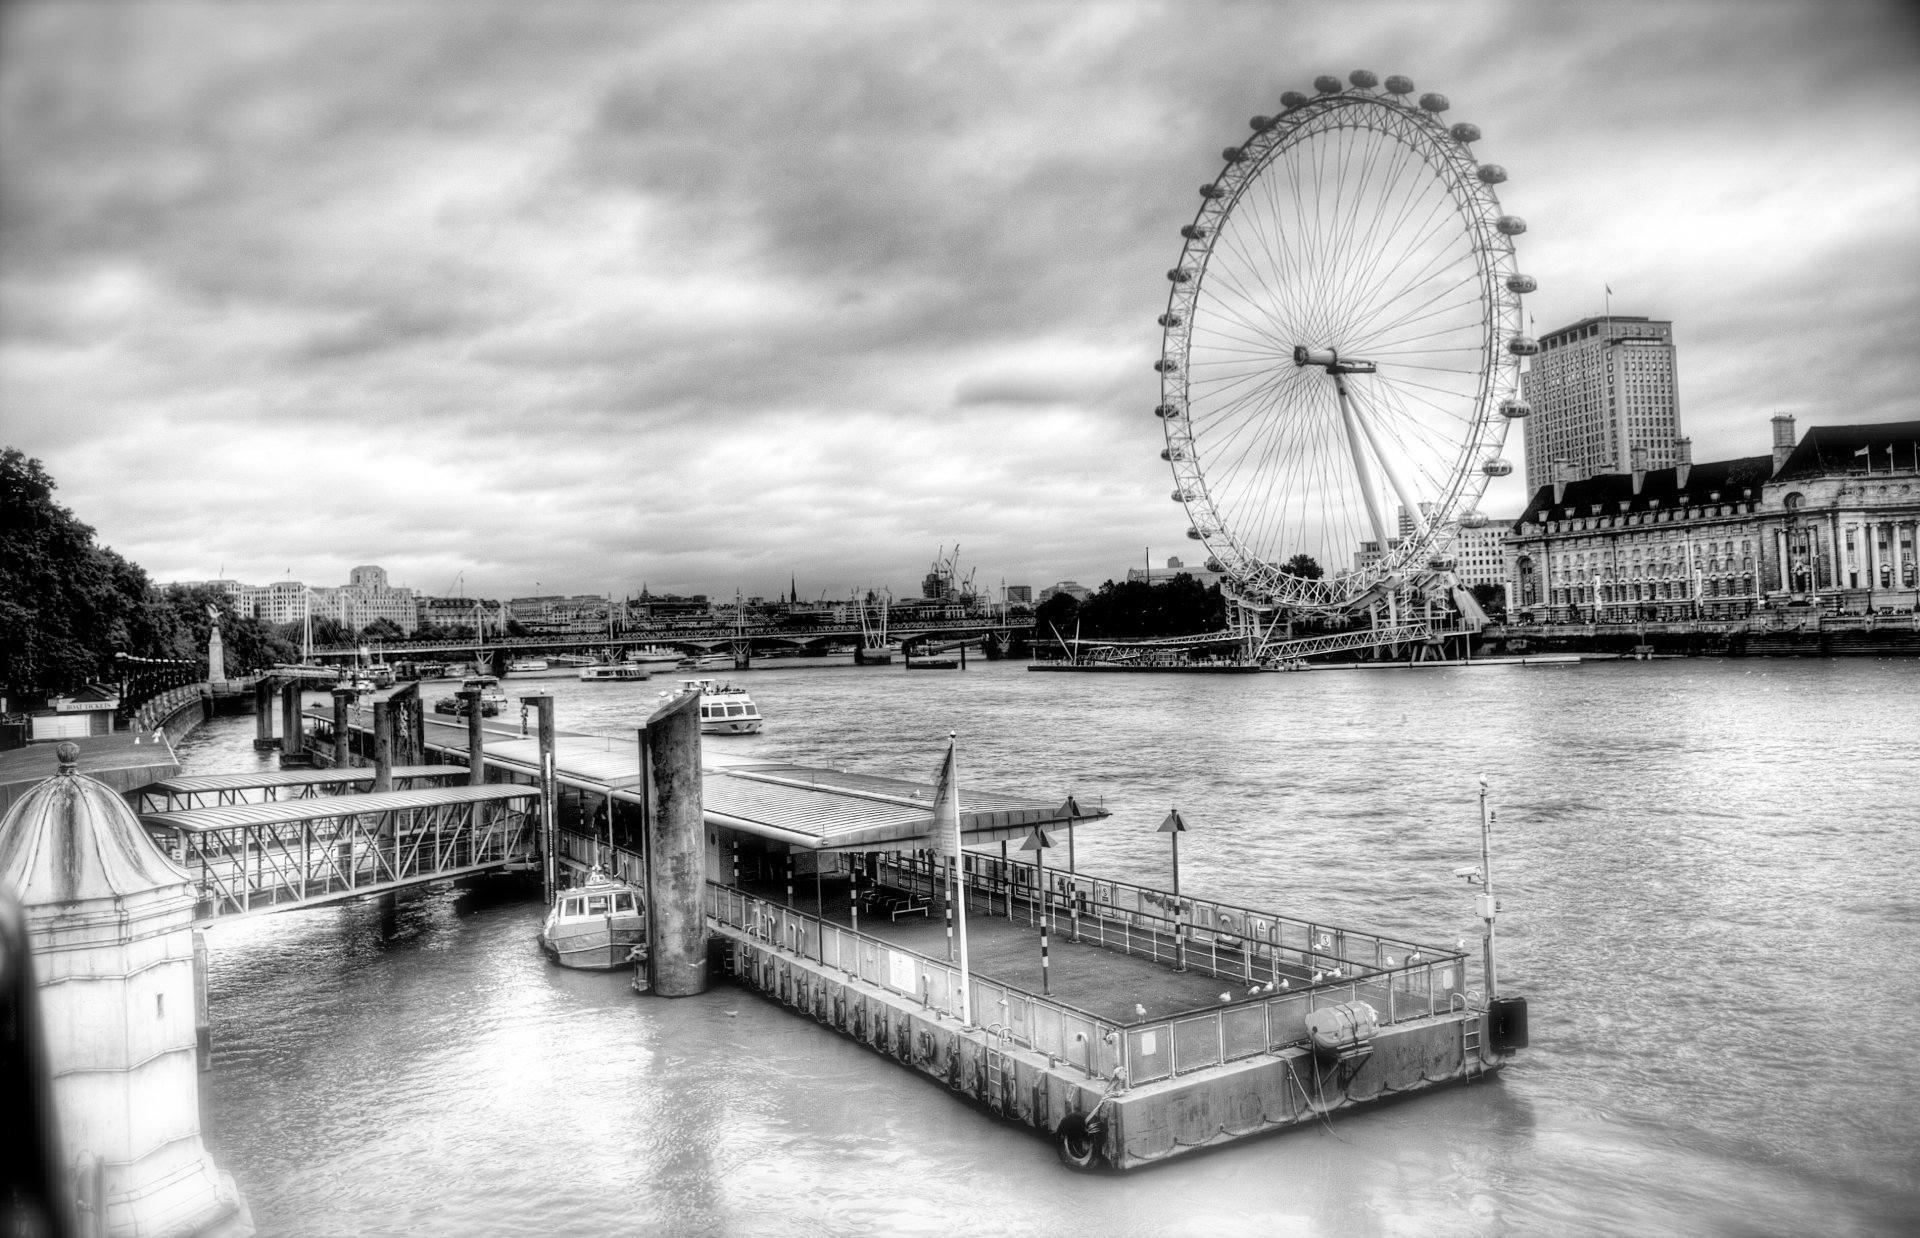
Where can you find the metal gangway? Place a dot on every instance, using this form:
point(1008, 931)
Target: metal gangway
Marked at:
point(272, 785)
point(250, 858)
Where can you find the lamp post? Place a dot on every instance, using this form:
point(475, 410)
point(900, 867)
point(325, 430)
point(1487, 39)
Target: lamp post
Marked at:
point(1174, 826)
point(1038, 842)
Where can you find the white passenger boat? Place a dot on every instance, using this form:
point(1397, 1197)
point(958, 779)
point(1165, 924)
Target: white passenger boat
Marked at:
point(724, 709)
point(492, 697)
point(541, 668)
point(655, 657)
point(613, 672)
point(707, 662)
point(526, 666)
point(600, 924)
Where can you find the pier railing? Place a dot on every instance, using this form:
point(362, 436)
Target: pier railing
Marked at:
point(1422, 984)
point(1043, 1024)
point(1221, 939)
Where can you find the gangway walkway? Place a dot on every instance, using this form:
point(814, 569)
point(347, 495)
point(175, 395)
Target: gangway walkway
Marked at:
point(252, 858)
point(272, 785)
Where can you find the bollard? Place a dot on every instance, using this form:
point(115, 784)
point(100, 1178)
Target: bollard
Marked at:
point(342, 735)
point(476, 738)
point(676, 850)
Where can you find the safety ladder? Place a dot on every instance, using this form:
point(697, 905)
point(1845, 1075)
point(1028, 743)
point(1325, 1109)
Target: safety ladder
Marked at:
point(1470, 1045)
point(996, 1097)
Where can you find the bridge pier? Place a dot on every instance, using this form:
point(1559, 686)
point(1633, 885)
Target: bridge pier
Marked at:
point(263, 714)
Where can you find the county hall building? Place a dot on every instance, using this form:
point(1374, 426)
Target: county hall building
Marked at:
point(1831, 520)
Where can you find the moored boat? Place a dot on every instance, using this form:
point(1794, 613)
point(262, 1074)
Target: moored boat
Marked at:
point(492, 697)
point(655, 657)
point(598, 925)
point(613, 672)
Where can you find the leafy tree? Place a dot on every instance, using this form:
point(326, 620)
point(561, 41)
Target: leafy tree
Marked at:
point(1492, 598)
point(66, 605)
point(249, 644)
point(382, 629)
point(1057, 613)
point(1303, 566)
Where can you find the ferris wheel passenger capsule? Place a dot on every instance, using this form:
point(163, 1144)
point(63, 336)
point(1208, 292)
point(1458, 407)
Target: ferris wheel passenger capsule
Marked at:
point(1212, 191)
point(1181, 496)
point(1496, 467)
point(1398, 85)
point(1173, 320)
point(1291, 99)
point(1233, 154)
point(1173, 453)
point(1523, 346)
point(1514, 409)
point(1166, 410)
point(1326, 83)
point(1510, 225)
point(1521, 283)
point(1474, 520)
point(1194, 232)
point(1260, 124)
point(1435, 103)
point(1179, 275)
point(1166, 365)
point(1363, 79)
point(1214, 565)
point(1491, 174)
point(1464, 132)
point(1196, 534)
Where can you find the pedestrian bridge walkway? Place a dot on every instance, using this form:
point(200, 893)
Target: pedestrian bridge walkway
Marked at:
point(275, 785)
point(248, 858)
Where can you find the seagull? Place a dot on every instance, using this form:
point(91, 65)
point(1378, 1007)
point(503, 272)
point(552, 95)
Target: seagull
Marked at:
point(733, 1014)
point(1226, 997)
point(1463, 943)
point(1390, 962)
point(1337, 974)
point(1139, 1011)
point(1319, 976)
point(1285, 984)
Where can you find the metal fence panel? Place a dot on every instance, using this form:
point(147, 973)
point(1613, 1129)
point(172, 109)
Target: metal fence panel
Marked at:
point(1287, 1019)
point(1196, 1043)
point(1243, 1031)
point(1150, 1053)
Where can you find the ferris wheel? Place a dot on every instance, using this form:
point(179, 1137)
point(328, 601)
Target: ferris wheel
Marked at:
point(1342, 346)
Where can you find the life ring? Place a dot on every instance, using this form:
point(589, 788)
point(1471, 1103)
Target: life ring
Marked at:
point(1077, 1139)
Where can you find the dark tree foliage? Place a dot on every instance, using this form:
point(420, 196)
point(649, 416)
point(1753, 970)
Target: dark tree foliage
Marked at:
point(1134, 609)
point(66, 605)
point(1303, 566)
point(249, 644)
point(381, 629)
point(1492, 598)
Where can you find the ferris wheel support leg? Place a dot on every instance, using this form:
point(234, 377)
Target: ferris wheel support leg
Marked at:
point(1360, 462)
point(1400, 489)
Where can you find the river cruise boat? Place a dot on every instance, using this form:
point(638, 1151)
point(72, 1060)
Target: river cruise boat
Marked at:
point(655, 657)
point(541, 668)
point(707, 662)
point(614, 672)
point(598, 925)
point(724, 709)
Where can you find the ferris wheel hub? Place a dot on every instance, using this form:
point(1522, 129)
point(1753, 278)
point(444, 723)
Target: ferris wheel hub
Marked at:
point(1330, 360)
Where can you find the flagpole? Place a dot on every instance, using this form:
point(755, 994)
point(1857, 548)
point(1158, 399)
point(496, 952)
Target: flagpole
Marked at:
point(960, 880)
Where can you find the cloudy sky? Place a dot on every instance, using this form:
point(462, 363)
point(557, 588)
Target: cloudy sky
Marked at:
point(711, 296)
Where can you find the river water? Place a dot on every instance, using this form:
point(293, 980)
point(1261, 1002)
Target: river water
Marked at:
point(1711, 900)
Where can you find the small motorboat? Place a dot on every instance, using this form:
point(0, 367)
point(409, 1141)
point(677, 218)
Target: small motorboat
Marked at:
point(492, 698)
point(598, 925)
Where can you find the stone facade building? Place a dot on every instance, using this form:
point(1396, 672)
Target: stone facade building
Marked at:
point(1828, 521)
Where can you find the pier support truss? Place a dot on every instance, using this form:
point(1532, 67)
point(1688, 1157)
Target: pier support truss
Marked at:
point(252, 858)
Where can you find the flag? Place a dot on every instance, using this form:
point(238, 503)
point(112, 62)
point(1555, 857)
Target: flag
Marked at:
point(1863, 451)
point(1609, 288)
point(946, 832)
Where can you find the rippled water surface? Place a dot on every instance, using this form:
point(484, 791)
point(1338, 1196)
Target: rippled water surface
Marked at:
point(1712, 902)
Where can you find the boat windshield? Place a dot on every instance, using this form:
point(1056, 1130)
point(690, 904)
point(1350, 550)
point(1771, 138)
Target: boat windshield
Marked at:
point(597, 904)
point(623, 902)
point(572, 907)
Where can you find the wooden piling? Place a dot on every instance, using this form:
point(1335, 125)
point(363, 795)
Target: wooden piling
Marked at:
point(676, 833)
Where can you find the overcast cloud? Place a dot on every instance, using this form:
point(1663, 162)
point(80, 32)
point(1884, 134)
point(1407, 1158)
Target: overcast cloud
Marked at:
point(711, 296)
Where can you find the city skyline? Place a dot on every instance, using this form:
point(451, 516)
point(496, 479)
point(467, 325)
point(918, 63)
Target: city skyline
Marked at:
point(708, 299)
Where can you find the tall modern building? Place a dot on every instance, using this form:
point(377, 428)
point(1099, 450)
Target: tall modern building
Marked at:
point(1599, 389)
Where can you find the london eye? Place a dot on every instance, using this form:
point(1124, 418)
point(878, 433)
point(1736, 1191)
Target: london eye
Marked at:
point(1342, 347)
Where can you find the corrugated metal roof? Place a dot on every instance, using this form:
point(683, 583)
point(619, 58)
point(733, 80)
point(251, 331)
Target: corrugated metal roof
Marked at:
point(193, 784)
point(233, 816)
point(611, 763)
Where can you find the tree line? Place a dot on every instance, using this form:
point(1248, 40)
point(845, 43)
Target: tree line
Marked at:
point(1134, 609)
point(69, 604)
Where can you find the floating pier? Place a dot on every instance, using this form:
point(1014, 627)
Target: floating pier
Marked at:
point(1129, 1024)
